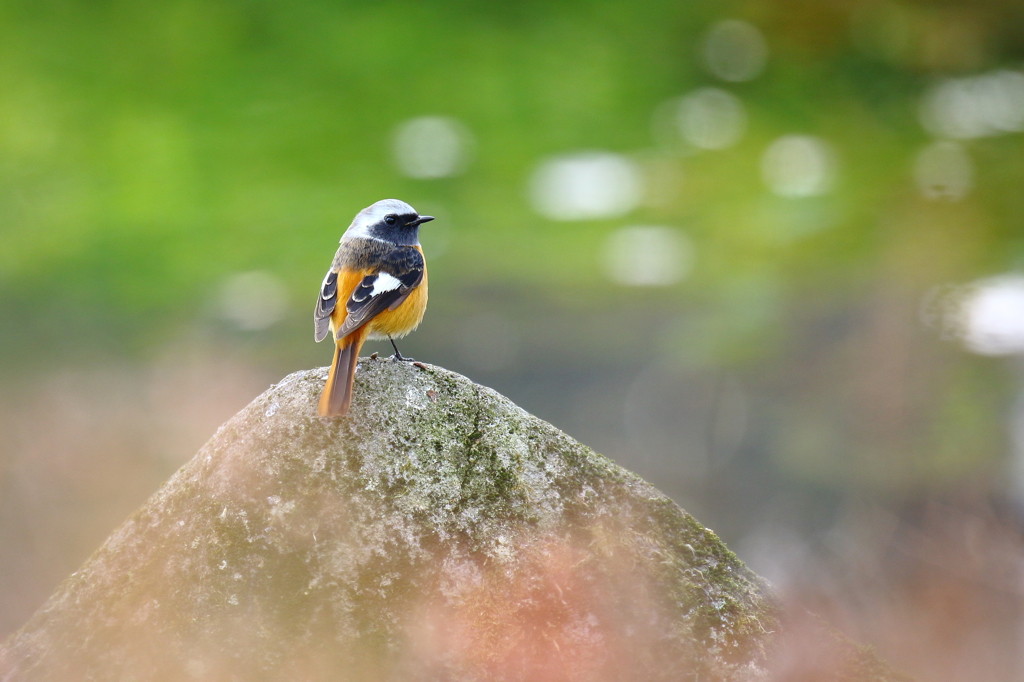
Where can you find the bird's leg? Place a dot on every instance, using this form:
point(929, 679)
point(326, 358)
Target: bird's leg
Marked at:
point(398, 357)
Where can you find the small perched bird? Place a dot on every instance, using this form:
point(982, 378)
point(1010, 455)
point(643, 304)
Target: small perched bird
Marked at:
point(380, 274)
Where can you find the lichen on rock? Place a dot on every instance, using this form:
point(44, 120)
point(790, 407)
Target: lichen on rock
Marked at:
point(437, 532)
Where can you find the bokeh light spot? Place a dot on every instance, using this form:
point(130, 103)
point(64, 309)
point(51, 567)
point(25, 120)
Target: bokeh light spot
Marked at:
point(977, 106)
point(648, 255)
point(711, 118)
point(432, 147)
point(992, 316)
point(586, 186)
point(735, 50)
point(944, 170)
point(798, 166)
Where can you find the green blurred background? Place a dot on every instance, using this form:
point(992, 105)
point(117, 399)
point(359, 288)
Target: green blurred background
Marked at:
point(760, 252)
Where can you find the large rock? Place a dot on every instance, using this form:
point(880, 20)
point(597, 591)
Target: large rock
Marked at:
point(439, 532)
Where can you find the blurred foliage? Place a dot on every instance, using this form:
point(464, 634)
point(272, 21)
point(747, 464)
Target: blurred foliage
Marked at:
point(799, 390)
point(149, 150)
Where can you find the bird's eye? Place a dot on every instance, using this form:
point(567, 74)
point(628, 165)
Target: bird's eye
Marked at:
point(391, 219)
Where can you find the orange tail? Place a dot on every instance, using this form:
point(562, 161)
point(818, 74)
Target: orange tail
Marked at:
point(337, 393)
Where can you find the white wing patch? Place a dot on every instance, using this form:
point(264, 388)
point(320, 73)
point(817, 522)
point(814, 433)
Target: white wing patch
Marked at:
point(384, 282)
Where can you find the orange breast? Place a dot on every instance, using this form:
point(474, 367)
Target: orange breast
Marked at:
point(390, 323)
point(403, 319)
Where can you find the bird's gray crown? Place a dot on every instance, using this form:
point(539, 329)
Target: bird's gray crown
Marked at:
point(369, 223)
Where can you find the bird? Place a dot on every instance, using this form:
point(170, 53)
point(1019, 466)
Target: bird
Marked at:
point(380, 276)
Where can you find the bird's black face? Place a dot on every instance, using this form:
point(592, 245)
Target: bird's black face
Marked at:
point(400, 229)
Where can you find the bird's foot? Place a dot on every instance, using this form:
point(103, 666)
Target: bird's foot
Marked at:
point(398, 357)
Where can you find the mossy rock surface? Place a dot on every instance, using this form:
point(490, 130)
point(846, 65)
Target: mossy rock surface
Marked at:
point(438, 532)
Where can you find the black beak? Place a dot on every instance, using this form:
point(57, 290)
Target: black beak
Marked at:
point(421, 219)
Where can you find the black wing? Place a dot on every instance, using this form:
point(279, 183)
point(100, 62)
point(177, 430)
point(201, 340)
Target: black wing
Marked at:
point(383, 290)
point(325, 306)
